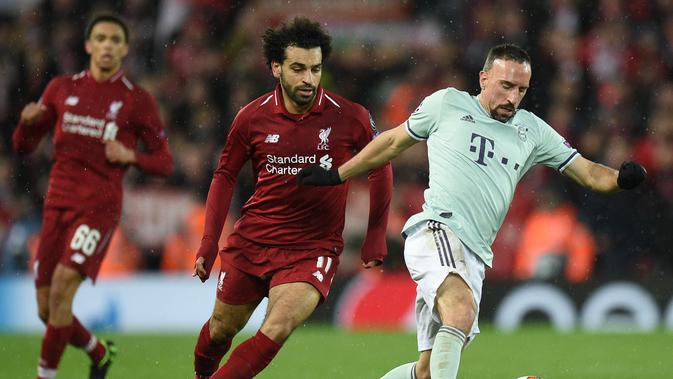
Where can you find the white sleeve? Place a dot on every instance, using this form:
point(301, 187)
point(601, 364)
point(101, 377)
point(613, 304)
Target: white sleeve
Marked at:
point(552, 149)
point(423, 121)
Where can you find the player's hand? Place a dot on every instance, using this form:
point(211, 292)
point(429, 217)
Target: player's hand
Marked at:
point(631, 174)
point(315, 175)
point(371, 264)
point(32, 113)
point(200, 270)
point(116, 152)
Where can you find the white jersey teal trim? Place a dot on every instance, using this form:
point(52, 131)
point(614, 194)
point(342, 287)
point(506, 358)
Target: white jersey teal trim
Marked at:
point(475, 163)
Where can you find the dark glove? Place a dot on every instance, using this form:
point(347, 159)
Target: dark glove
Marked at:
point(315, 175)
point(631, 174)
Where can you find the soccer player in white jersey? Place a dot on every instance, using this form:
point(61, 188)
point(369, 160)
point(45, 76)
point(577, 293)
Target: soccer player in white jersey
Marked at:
point(479, 147)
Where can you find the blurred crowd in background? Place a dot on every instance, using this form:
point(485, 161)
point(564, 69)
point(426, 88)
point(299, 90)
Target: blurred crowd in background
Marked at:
point(602, 77)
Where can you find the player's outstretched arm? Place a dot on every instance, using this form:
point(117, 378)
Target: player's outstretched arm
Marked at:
point(600, 178)
point(380, 150)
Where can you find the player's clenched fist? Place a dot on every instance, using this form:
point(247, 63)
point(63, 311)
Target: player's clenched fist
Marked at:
point(32, 113)
point(199, 269)
point(116, 152)
point(315, 175)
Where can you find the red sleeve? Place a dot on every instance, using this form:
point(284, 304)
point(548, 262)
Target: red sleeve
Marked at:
point(235, 153)
point(26, 137)
point(380, 194)
point(157, 160)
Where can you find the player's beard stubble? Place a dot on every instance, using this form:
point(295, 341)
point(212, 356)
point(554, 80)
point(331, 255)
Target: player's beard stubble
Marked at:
point(509, 110)
point(293, 92)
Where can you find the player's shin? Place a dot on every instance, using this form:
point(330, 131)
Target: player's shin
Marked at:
point(406, 371)
point(249, 358)
point(82, 338)
point(208, 353)
point(53, 344)
point(446, 350)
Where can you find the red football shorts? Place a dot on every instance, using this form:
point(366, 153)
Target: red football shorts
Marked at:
point(75, 238)
point(250, 270)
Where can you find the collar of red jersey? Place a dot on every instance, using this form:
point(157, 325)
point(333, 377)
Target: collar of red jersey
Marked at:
point(112, 79)
point(279, 107)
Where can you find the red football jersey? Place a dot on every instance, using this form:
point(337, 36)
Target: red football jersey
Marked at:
point(279, 144)
point(84, 113)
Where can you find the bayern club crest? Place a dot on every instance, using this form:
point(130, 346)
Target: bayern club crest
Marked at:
point(522, 131)
point(324, 138)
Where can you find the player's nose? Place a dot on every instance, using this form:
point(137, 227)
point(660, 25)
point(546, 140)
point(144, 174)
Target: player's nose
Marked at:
point(310, 78)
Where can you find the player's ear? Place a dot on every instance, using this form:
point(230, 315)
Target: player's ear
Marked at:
point(276, 69)
point(483, 79)
point(88, 47)
point(125, 50)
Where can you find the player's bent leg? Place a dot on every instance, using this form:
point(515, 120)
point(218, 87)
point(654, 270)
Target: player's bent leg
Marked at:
point(406, 371)
point(290, 304)
point(227, 319)
point(412, 370)
point(216, 334)
point(80, 336)
point(423, 365)
point(64, 286)
point(455, 303)
point(65, 283)
point(457, 310)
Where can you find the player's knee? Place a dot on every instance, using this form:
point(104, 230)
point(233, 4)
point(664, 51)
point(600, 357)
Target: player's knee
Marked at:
point(57, 295)
point(278, 331)
point(457, 310)
point(43, 314)
point(220, 330)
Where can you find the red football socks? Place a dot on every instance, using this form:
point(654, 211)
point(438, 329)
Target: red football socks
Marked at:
point(53, 345)
point(208, 353)
point(83, 339)
point(249, 358)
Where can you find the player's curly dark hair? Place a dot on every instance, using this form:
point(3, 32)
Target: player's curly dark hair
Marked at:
point(106, 17)
point(301, 32)
point(506, 51)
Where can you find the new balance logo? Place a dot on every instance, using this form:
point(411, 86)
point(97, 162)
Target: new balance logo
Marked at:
point(467, 118)
point(272, 138)
point(72, 101)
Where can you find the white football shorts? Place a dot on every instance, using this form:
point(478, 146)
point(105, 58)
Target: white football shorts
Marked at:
point(432, 252)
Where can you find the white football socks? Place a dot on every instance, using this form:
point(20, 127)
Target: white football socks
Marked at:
point(406, 371)
point(445, 357)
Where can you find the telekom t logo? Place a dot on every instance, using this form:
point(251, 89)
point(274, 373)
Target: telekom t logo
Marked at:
point(484, 150)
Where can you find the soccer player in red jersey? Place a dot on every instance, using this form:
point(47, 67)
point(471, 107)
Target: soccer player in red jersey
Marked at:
point(97, 118)
point(287, 242)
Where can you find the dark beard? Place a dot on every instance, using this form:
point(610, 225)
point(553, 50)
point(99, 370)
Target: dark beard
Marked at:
point(496, 116)
point(293, 94)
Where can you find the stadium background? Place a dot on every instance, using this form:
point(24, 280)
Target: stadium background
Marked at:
point(602, 77)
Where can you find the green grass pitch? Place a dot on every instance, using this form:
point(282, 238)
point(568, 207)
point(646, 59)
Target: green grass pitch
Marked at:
point(319, 352)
